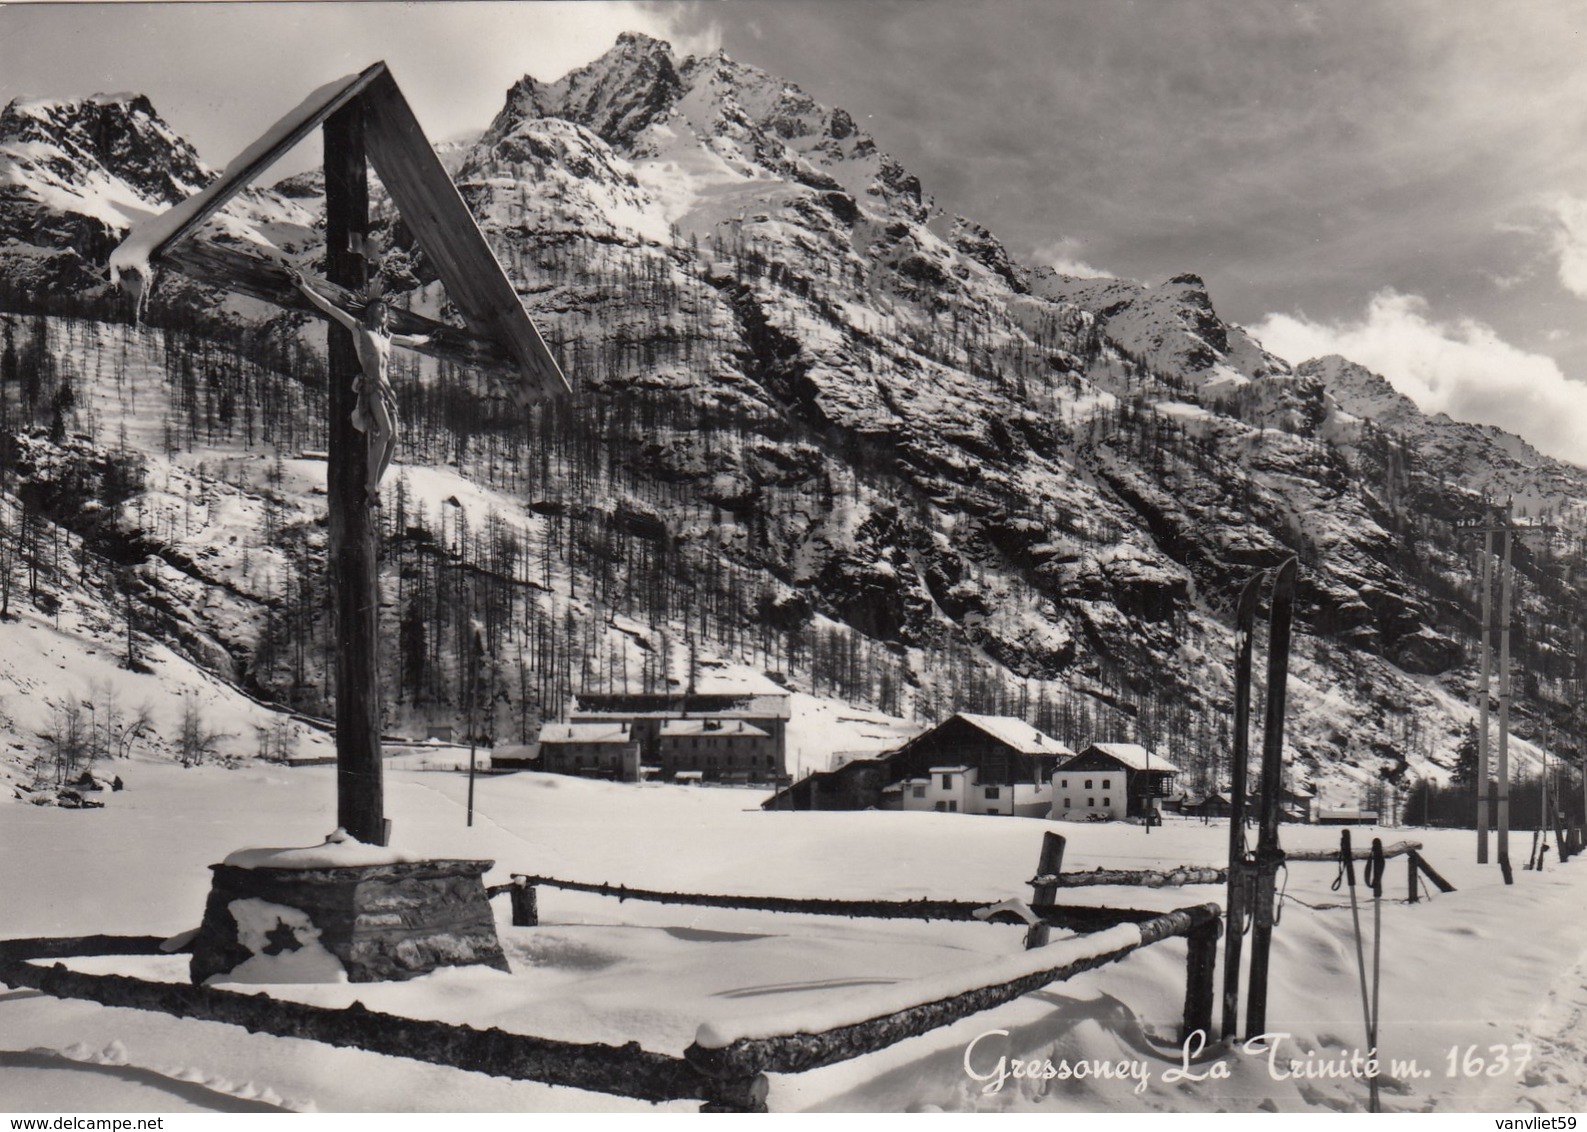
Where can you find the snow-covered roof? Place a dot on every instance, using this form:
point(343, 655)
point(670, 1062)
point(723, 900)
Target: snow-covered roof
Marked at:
point(585, 733)
point(676, 727)
point(1018, 734)
point(517, 751)
point(702, 705)
point(949, 769)
point(1135, 756)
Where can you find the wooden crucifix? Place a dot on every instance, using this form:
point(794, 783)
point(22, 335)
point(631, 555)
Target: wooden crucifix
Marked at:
point(365, 121)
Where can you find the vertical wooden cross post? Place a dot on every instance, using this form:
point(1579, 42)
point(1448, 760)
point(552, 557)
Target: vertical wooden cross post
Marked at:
point(352, 554)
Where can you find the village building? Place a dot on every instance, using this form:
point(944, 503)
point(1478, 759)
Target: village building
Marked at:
point(1295, 805)
point(1347, 817)
point(727, 750)
point(591, 750)
point(1298, 804)
point(1111, 781)
point(1001, 750)
point(1214, 805)
point(857, 784)
point(968, 764)
point(516, 756)
point(711, 737)
point(959, 790)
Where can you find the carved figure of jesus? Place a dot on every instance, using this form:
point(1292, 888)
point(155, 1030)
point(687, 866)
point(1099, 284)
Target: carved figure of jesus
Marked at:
point(376, 413)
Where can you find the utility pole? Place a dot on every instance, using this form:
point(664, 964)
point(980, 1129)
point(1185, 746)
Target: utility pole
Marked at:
point(1483, 788)
point(1544, 820)
point(1504, 700)
point(1488, 527)
point(1146, 776)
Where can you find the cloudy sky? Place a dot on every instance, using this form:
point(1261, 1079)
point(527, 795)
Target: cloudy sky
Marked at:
point(1402, 181)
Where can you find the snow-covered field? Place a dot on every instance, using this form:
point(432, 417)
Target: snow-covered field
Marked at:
point(1485, 966)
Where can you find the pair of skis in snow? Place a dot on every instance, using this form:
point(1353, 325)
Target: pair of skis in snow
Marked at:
point(1253, 878)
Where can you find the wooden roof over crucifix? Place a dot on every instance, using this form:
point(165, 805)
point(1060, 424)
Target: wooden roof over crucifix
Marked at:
point(499, 334)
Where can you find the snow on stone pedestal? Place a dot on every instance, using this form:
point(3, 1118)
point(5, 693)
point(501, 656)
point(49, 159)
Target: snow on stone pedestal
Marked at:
point(343, 911)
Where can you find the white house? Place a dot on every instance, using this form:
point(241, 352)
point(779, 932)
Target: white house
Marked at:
point(1110, 781)
point(959, 790)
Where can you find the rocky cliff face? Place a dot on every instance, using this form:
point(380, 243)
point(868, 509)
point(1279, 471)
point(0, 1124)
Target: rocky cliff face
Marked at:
point(75, 175)
point(802, 371)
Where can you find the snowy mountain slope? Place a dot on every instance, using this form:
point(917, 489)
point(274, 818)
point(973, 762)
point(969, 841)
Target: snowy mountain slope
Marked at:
point(818, 420)
point(76, 175)
point(1479, 458)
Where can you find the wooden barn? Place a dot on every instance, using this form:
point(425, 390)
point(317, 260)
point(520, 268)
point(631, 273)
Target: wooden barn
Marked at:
point(1001, 749)
point(968, 764)
point(856, 785)
point(1214, 805)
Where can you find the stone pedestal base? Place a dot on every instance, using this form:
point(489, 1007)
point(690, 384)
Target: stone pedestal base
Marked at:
point(373, 922)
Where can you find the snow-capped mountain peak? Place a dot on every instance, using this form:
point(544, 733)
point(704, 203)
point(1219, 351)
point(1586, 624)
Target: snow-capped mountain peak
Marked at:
point(116, 137)
point(616, 96)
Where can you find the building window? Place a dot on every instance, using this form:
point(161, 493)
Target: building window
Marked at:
point(941, 807)
point(1105, 802)
point(991, 792)
point(1104, 784)
point(1067, 803)
point(920, 791)
point(947, 782)
point(953, 807)
point(1091, 802)
point(1064, 784)
point(1088, 784)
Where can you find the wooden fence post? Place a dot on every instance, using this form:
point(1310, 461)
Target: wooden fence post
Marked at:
point(525, 903)
point(1433, 875)
point(1044, 886)
point(1048, 867)
point(746, 1094)
point(741, 1093)
point(1200, 966)
point(1410, 860)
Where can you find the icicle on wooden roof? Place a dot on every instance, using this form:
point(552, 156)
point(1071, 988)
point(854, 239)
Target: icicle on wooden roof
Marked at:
point(499, 335)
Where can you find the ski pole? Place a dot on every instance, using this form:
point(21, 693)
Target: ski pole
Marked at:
point(1374, 878)
point(1347, 871)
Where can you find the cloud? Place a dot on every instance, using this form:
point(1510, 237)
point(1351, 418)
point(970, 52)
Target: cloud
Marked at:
point(1461, 368)
point(1570, 243)
point(1062, 255)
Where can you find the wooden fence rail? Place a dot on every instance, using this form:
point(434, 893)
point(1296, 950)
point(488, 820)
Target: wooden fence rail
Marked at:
point(728, 1076)
point(1050, 877)
point(627, 1070)
point(794, 1050)
point(1398, 849)
point(1073, 917)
